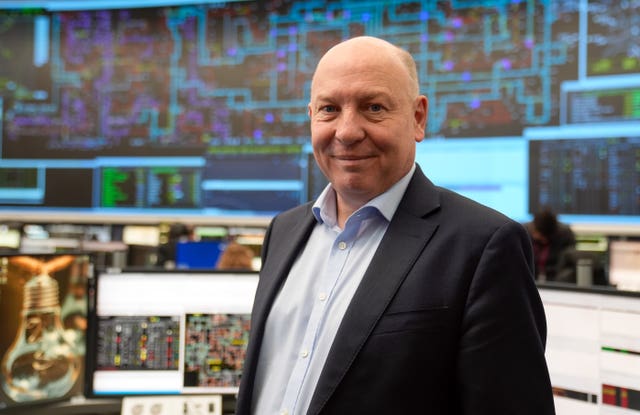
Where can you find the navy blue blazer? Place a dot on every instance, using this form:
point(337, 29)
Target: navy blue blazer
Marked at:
point(447, 319)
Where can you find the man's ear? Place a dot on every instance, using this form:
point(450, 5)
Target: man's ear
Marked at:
point(420, 117)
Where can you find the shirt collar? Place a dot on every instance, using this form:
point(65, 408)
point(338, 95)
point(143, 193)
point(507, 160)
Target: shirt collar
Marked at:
point(324, 208)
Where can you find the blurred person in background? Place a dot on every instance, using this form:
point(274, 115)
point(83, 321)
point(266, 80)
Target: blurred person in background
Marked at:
point(550, 238)
point(236, 256)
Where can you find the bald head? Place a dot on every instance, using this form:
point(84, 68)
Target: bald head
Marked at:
point(371, 52)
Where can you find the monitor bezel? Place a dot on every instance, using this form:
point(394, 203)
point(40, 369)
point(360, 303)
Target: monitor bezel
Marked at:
point(92, 327)
point(77, 390)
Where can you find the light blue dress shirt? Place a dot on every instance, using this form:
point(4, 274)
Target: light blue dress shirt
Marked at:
point(308, 310)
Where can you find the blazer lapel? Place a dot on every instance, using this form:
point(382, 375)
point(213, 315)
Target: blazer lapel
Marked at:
point(405, 239)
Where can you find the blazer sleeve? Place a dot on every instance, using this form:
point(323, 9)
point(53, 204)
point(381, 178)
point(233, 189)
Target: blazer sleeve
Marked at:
point(502, 368)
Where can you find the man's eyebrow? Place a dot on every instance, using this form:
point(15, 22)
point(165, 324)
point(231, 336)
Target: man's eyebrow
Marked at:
point(364, 96)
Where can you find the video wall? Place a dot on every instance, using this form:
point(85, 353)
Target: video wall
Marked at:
point(200, 107)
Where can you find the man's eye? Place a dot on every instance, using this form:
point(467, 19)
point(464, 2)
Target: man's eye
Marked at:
point(375, 107)
point(328, 108)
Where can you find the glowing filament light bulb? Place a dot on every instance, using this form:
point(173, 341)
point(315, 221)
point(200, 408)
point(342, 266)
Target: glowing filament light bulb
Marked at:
point(41, 362)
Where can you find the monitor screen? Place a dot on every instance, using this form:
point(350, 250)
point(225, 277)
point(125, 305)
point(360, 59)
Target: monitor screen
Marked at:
point(593, 349)
point(624, 264)
point(186, 335)
point(198, 254)
point(141, 235)
point(43, 306)
point(594, 176)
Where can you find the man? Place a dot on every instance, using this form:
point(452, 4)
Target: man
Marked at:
point(389, 295)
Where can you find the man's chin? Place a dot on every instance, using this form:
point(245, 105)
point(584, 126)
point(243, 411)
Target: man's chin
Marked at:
point(355, 187)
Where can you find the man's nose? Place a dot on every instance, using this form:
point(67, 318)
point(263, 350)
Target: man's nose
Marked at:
point(350, 127)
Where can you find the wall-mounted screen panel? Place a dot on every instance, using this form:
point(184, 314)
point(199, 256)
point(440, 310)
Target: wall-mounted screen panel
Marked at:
point(154, 187)
point(199, 88)
point(586, 176)
point(268, 180)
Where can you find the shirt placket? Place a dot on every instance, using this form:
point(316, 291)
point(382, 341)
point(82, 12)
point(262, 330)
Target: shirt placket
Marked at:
point(321, 301)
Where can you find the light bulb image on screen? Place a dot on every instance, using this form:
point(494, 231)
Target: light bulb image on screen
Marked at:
point(43, 361)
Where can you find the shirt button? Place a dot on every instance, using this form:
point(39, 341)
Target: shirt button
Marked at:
point(304, 353)
point(322, 296)
point(284, 412)
point(342, 245)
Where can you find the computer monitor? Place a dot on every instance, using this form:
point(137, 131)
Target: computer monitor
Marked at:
point(198, 254)
point(43, 307)
point(624, 264)
point(168, 332)
point(592, 349)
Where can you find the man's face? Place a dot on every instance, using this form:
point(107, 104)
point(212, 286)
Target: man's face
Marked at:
point(365, 121)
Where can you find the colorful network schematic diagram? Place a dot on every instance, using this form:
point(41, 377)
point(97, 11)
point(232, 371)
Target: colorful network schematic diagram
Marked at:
point(176, 80)
point(183, 87)
point(215, 348)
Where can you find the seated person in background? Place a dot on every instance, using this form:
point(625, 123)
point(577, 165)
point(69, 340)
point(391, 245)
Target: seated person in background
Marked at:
point(178, 232)
point(236, 257)
point(549, 238)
